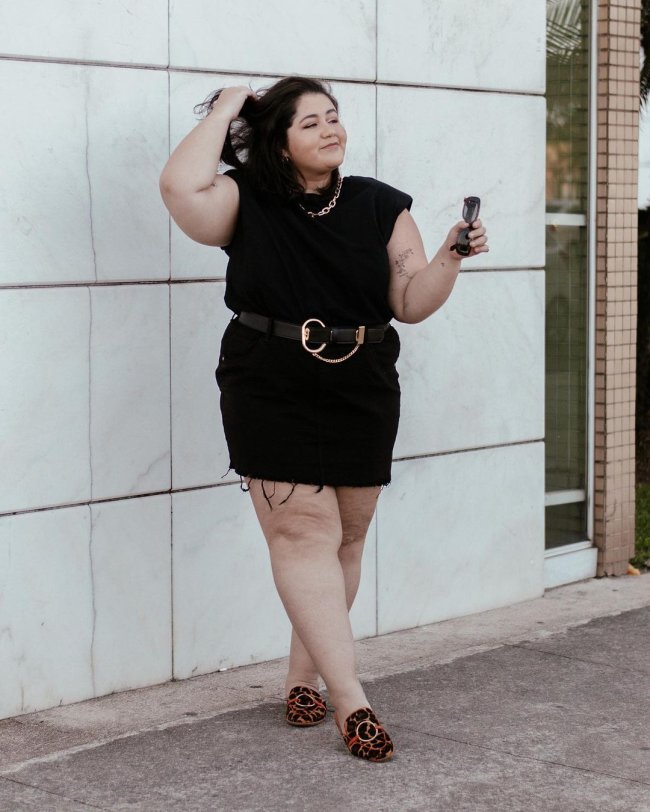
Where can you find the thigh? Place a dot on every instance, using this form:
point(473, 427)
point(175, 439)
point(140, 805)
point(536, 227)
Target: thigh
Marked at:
point(356, 509)
point(296, 512)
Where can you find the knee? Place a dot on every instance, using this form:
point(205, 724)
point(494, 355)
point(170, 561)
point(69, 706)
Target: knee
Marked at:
point(351, 540)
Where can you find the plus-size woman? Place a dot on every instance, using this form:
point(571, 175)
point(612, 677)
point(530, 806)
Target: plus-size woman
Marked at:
point(318, 266)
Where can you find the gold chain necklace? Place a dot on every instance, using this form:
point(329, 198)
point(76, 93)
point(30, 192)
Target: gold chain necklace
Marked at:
point(330, 205)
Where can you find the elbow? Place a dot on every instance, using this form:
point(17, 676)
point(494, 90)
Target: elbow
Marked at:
point(415, 315)
point(406, 318)
point(408, 315)
point(166, 186)
point(411, 319)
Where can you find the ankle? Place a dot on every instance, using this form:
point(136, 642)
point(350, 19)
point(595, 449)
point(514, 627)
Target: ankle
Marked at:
point(309, 682)
point(348, 702)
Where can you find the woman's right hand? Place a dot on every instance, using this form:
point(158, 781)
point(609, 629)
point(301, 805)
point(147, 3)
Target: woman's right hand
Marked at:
point(231, 100)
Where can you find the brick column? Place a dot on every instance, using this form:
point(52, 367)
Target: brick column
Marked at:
point(616, 268)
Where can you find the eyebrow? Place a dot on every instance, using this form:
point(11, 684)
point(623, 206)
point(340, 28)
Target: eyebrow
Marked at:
point(315, 115)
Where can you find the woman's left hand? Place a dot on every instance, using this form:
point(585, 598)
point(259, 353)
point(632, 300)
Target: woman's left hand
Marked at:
point(477, 239)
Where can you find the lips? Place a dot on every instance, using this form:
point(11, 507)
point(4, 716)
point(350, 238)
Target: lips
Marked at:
point(329, 146)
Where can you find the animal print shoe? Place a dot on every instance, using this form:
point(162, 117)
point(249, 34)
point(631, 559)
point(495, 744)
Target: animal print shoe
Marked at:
point(305, 707)
point(365, 737)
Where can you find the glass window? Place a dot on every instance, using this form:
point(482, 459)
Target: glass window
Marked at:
point(567, 195)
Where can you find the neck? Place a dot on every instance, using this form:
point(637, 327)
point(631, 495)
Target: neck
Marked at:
point(316, 183)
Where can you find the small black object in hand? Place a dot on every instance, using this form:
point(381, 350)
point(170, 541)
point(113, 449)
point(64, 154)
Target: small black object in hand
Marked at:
point(471, 208)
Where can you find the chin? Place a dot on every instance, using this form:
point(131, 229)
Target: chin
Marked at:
point(335, 162)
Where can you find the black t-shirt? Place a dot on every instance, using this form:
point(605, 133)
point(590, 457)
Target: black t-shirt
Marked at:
point(285, 264)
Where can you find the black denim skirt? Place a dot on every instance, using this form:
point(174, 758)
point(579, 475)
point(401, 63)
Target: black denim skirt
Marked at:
point(289, 417)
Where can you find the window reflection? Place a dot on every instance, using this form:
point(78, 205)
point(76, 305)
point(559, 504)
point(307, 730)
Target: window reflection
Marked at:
point(567, 177)
point(567, 96)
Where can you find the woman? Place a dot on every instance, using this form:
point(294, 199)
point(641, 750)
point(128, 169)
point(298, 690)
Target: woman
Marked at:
point(318, 266)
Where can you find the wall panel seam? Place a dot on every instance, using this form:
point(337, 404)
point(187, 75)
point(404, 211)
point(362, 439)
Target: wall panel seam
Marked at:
point(212, 279)
point(263, 74)
point(491, 447)
point(190, 489)
point(110, 284)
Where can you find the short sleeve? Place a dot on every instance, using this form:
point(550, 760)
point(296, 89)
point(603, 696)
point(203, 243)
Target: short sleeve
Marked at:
point(390, 203)
point(237, 176)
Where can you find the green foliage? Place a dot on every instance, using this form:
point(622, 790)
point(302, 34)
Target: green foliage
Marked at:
point(642, 552)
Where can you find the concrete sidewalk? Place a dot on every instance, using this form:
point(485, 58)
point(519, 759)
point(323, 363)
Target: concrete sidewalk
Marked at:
point(541, 706)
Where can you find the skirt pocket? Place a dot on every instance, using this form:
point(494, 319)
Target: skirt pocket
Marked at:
point(239, 346)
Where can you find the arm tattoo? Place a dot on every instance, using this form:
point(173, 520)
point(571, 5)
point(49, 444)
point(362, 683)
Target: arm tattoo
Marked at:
point(400, 263)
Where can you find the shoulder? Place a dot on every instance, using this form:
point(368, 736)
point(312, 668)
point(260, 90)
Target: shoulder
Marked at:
point(249, 192)
point(371, 184)
point(383, 192)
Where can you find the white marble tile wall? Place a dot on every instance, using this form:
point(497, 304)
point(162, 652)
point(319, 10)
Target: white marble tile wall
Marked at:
point(334, 38)
point(86, 588)
point(473, 373)
point(459, 143)
point(80, 195)
point(129, 390)
point(226, 610)
point(460, 533)
point(198, 319)
point(86, 602)
point(86, 411)
point(498, 45)
point(130, 554)
point(46, 612)
point(44, 400)
point(96, 31)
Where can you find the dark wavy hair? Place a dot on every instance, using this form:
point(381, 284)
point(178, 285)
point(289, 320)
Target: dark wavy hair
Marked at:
point(257, 137)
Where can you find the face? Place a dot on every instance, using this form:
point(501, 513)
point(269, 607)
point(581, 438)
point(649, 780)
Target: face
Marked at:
point(316, 138)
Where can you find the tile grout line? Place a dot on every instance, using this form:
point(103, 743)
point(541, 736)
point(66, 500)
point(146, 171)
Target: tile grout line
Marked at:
point(452, 451)
point(260, 74)
point(172, 664)
point(211, 279)
point(90, 393)
point(192, 488)
point(114, 283)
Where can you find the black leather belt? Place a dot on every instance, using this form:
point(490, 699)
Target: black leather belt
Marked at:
point(317, 334)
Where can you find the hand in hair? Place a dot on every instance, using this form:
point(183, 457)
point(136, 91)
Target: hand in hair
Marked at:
point(229, 101)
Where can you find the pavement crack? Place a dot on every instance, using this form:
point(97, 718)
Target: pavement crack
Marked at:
point(616, 667)
point(56, 794)
point(520, 756)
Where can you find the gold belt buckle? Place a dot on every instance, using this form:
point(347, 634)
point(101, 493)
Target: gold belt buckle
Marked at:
point(304, 336)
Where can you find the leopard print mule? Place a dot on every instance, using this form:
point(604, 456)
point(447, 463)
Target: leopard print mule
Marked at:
point(365, 737)
point(305, 707)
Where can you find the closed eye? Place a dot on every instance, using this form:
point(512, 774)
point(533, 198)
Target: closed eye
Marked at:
point(333, 121)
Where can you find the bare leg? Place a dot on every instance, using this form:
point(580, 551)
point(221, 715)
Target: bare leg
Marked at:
point(304, 535)
point(356, 508)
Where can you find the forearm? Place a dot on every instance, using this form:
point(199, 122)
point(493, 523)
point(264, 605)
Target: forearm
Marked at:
point(193, 165)
point(428, 289)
